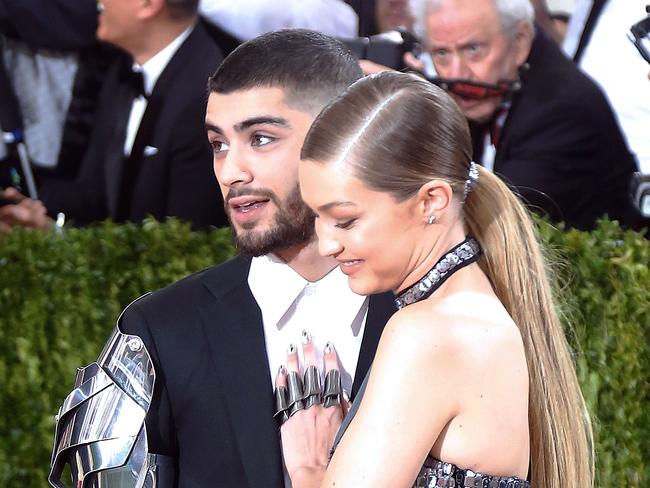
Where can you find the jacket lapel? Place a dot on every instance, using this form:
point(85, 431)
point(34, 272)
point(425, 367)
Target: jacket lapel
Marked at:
point(380, 308)
point(233, 326)
point(122, 99)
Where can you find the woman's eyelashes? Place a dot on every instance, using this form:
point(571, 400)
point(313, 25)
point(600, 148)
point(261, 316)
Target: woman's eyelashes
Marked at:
point(345, 224)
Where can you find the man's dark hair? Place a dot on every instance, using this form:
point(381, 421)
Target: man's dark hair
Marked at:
point(183, 9)
point(312, 68)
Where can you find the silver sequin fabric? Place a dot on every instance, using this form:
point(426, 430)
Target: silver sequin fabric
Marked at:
point(437, 473)
point(466, 251)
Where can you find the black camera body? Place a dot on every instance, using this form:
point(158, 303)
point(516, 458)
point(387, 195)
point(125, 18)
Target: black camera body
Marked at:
point(387, 49)
point(640, 36)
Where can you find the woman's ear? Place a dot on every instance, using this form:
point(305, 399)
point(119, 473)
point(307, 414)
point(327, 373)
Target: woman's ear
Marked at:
point(434, 199)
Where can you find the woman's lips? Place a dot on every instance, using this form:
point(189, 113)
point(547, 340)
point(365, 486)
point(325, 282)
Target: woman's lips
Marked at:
point(350, 266)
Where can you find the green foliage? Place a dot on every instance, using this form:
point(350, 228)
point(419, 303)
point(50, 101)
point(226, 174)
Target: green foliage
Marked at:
point(61, 294)
point(606, 293)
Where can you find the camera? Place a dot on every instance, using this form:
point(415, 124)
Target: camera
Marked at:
point(387, 49)
point(640, 36)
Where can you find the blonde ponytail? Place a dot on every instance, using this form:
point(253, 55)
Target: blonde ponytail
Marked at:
point(560, 429)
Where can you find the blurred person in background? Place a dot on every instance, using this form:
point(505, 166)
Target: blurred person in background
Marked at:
point(147, 154)
point(536, 120)
point(246, 19)
point(55, 67)
point(393, 14)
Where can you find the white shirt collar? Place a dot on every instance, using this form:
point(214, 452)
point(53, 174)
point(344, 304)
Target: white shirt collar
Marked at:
point(152, 69)
point(276, 287)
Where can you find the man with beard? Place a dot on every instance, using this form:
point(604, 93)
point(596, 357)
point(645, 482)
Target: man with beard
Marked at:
point(536, 120)
point(217, 338)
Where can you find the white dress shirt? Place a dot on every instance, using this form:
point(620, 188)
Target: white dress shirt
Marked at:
point(151, 71)
point(327, 309)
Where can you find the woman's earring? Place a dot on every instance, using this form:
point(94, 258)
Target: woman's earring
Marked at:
point(432, 219)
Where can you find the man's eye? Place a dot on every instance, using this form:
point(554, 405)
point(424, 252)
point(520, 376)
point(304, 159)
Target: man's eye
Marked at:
point(219, 146)
point(259, 140)
point(440, 53)
point(345, 225)
point(474, 50)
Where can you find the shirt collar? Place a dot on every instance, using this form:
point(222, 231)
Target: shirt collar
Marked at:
point(153, 68)
point(276, 287)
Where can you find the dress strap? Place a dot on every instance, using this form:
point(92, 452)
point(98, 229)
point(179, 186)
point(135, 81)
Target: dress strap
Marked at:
point(351, 413)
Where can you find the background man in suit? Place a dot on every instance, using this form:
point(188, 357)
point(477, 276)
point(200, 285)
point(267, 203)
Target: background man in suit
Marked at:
point(147, 153)
point(555, 139)
point(215, 420)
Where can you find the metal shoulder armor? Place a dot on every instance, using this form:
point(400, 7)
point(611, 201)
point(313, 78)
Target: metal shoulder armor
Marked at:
point(100, 428)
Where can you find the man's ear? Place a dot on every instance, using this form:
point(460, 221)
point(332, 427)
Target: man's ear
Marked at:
point(150, 8)
point(434, 198)
point(523, 41)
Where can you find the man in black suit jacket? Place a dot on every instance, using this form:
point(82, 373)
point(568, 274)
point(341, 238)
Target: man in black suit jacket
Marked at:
point(552, 136)
point(217, 337)
point(147, 153)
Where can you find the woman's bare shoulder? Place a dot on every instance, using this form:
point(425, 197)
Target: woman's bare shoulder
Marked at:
point(471, 325)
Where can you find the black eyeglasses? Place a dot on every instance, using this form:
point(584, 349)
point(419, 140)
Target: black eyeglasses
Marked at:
point(640, 36)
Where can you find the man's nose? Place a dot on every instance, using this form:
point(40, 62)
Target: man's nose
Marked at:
point(458, 68)
point(234, 169)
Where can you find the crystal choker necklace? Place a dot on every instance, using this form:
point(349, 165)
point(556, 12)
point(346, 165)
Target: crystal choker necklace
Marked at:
point(467, 252)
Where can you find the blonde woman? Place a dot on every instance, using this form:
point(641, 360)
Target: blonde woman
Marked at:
point(473, 382)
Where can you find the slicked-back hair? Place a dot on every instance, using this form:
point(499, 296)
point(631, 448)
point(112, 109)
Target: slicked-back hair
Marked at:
point(312, 68)
point(182, 9)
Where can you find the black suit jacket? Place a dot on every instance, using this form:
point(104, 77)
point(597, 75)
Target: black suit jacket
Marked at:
point(169, 171)
point(561, 146)
point(213, 401)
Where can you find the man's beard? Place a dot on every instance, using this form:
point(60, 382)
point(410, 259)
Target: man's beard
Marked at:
point(293, 224)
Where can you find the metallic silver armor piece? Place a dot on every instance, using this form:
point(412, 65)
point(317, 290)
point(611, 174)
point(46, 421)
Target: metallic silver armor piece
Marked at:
point(332, 395)
point(281, 405)
point(312, 387)
point(294, 384)
point(100, 428)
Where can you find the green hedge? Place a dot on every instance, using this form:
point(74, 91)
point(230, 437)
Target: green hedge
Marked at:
point(60, 296)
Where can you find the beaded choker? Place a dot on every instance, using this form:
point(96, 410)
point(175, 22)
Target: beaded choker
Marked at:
point(467, 252)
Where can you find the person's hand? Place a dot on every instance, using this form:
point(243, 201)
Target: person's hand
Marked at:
point(370, 68)
point(24, 212)
point(314, 416)
point(410, 60)
point(413, 62)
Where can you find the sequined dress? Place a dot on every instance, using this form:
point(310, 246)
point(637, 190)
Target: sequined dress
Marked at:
point(435, 473)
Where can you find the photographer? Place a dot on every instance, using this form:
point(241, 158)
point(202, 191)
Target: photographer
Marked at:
point(536, 121)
